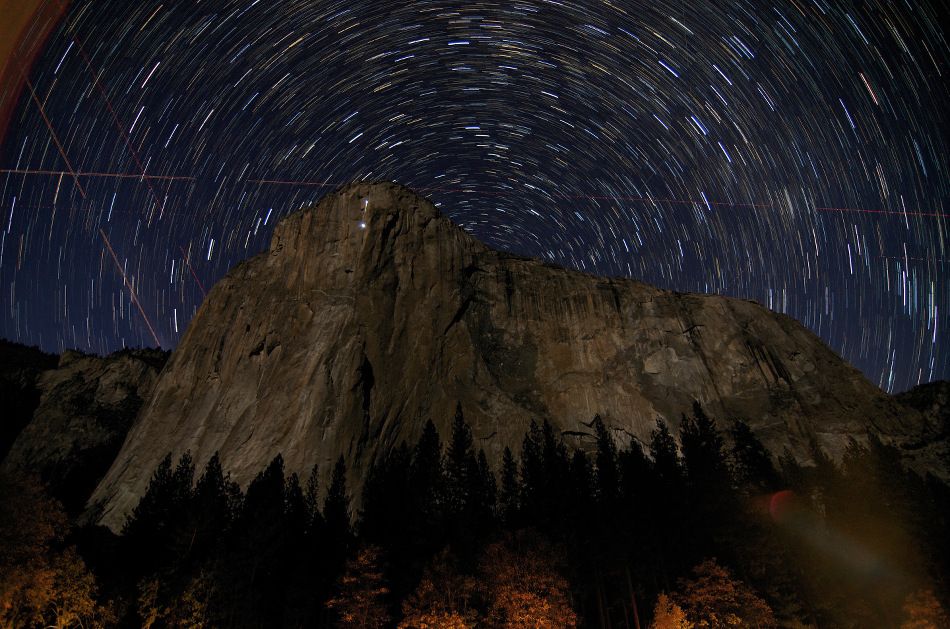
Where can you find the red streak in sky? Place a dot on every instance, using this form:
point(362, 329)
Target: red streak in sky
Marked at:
point(115, 118)
point(29, 171)
point(128, 285)
point(52, 132)
point(195, 275)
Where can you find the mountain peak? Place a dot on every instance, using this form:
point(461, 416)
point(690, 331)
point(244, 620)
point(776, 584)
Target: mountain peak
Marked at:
point(356, 207)
point(372, 313)
point(361, 230)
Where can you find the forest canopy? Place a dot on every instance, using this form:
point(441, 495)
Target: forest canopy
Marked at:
point(710, 530)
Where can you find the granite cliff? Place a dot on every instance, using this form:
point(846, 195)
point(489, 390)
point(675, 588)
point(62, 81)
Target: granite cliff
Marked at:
point(84, 407)
point(20, 368)
point(371, 313)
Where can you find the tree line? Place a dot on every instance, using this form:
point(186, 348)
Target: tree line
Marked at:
point(713, 532)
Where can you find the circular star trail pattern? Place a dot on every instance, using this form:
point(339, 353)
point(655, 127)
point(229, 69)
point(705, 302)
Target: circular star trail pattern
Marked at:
point(794, 153)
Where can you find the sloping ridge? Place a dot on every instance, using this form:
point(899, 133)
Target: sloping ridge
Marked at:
point(371, 313)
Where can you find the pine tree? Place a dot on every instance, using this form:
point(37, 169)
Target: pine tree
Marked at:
point(427, 478)
point(485, 491)
point(666, 461)
point(703, 454)
point(263, 508)
point(792, 472)
point(387, 505)
point(336, 506)
point(156, 532)
point(510, 489)
point(666, 506)
point(151, 513)
point(555, 474)
point(183, 480)
point(636, 474)
point(704, 458)
point(580, 491)
point(260, 547)
point(823, 480)
point(714, 505)
point(636, 504)
point(312, 502)
point(460, 465)
point(295, 510)
point(211, 496)
point(754, 470)
point(211, 509)
point(607, 475)
point(532, 475)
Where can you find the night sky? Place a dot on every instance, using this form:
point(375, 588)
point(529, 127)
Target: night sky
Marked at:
point(794, 153)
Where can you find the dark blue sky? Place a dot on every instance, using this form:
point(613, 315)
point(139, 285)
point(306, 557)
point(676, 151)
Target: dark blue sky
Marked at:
point(794, 153)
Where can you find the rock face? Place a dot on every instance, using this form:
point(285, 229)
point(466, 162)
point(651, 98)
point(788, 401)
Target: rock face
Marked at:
point(933, 401)
point(371, 313)
point(930, 446)
point(20, 368)
point(86, 406)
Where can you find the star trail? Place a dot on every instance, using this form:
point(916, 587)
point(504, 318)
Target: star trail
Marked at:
point(794, 153)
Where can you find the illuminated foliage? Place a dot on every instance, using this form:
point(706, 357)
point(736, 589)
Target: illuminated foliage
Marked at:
point(517, 586)
point(629, 522)
point(360, 602)
point(713, 599)
point(443, 598)
point(669, 615)
point(157, 607)
point(922, 610)
point(524, 590)
point(39, 583)
point(436, 620)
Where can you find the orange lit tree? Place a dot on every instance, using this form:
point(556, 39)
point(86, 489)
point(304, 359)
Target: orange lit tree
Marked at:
point(714, 599)
point(40, 582)
point(922, 610)
point(669, 615)
point(524, 589)
point(443, 599)
point(360, 600)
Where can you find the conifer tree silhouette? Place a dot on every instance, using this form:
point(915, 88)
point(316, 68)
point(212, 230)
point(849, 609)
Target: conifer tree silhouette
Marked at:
point(461, 468)
point(152, 532)
point(336, 507)
point(427, 477)
point(509, 498)
point(753, 467)
point(607, 475)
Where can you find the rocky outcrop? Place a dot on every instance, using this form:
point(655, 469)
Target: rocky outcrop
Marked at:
point(929, 447)
point(86, 406)
point(371, 313)
point(933, 402)
point(20, 368)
